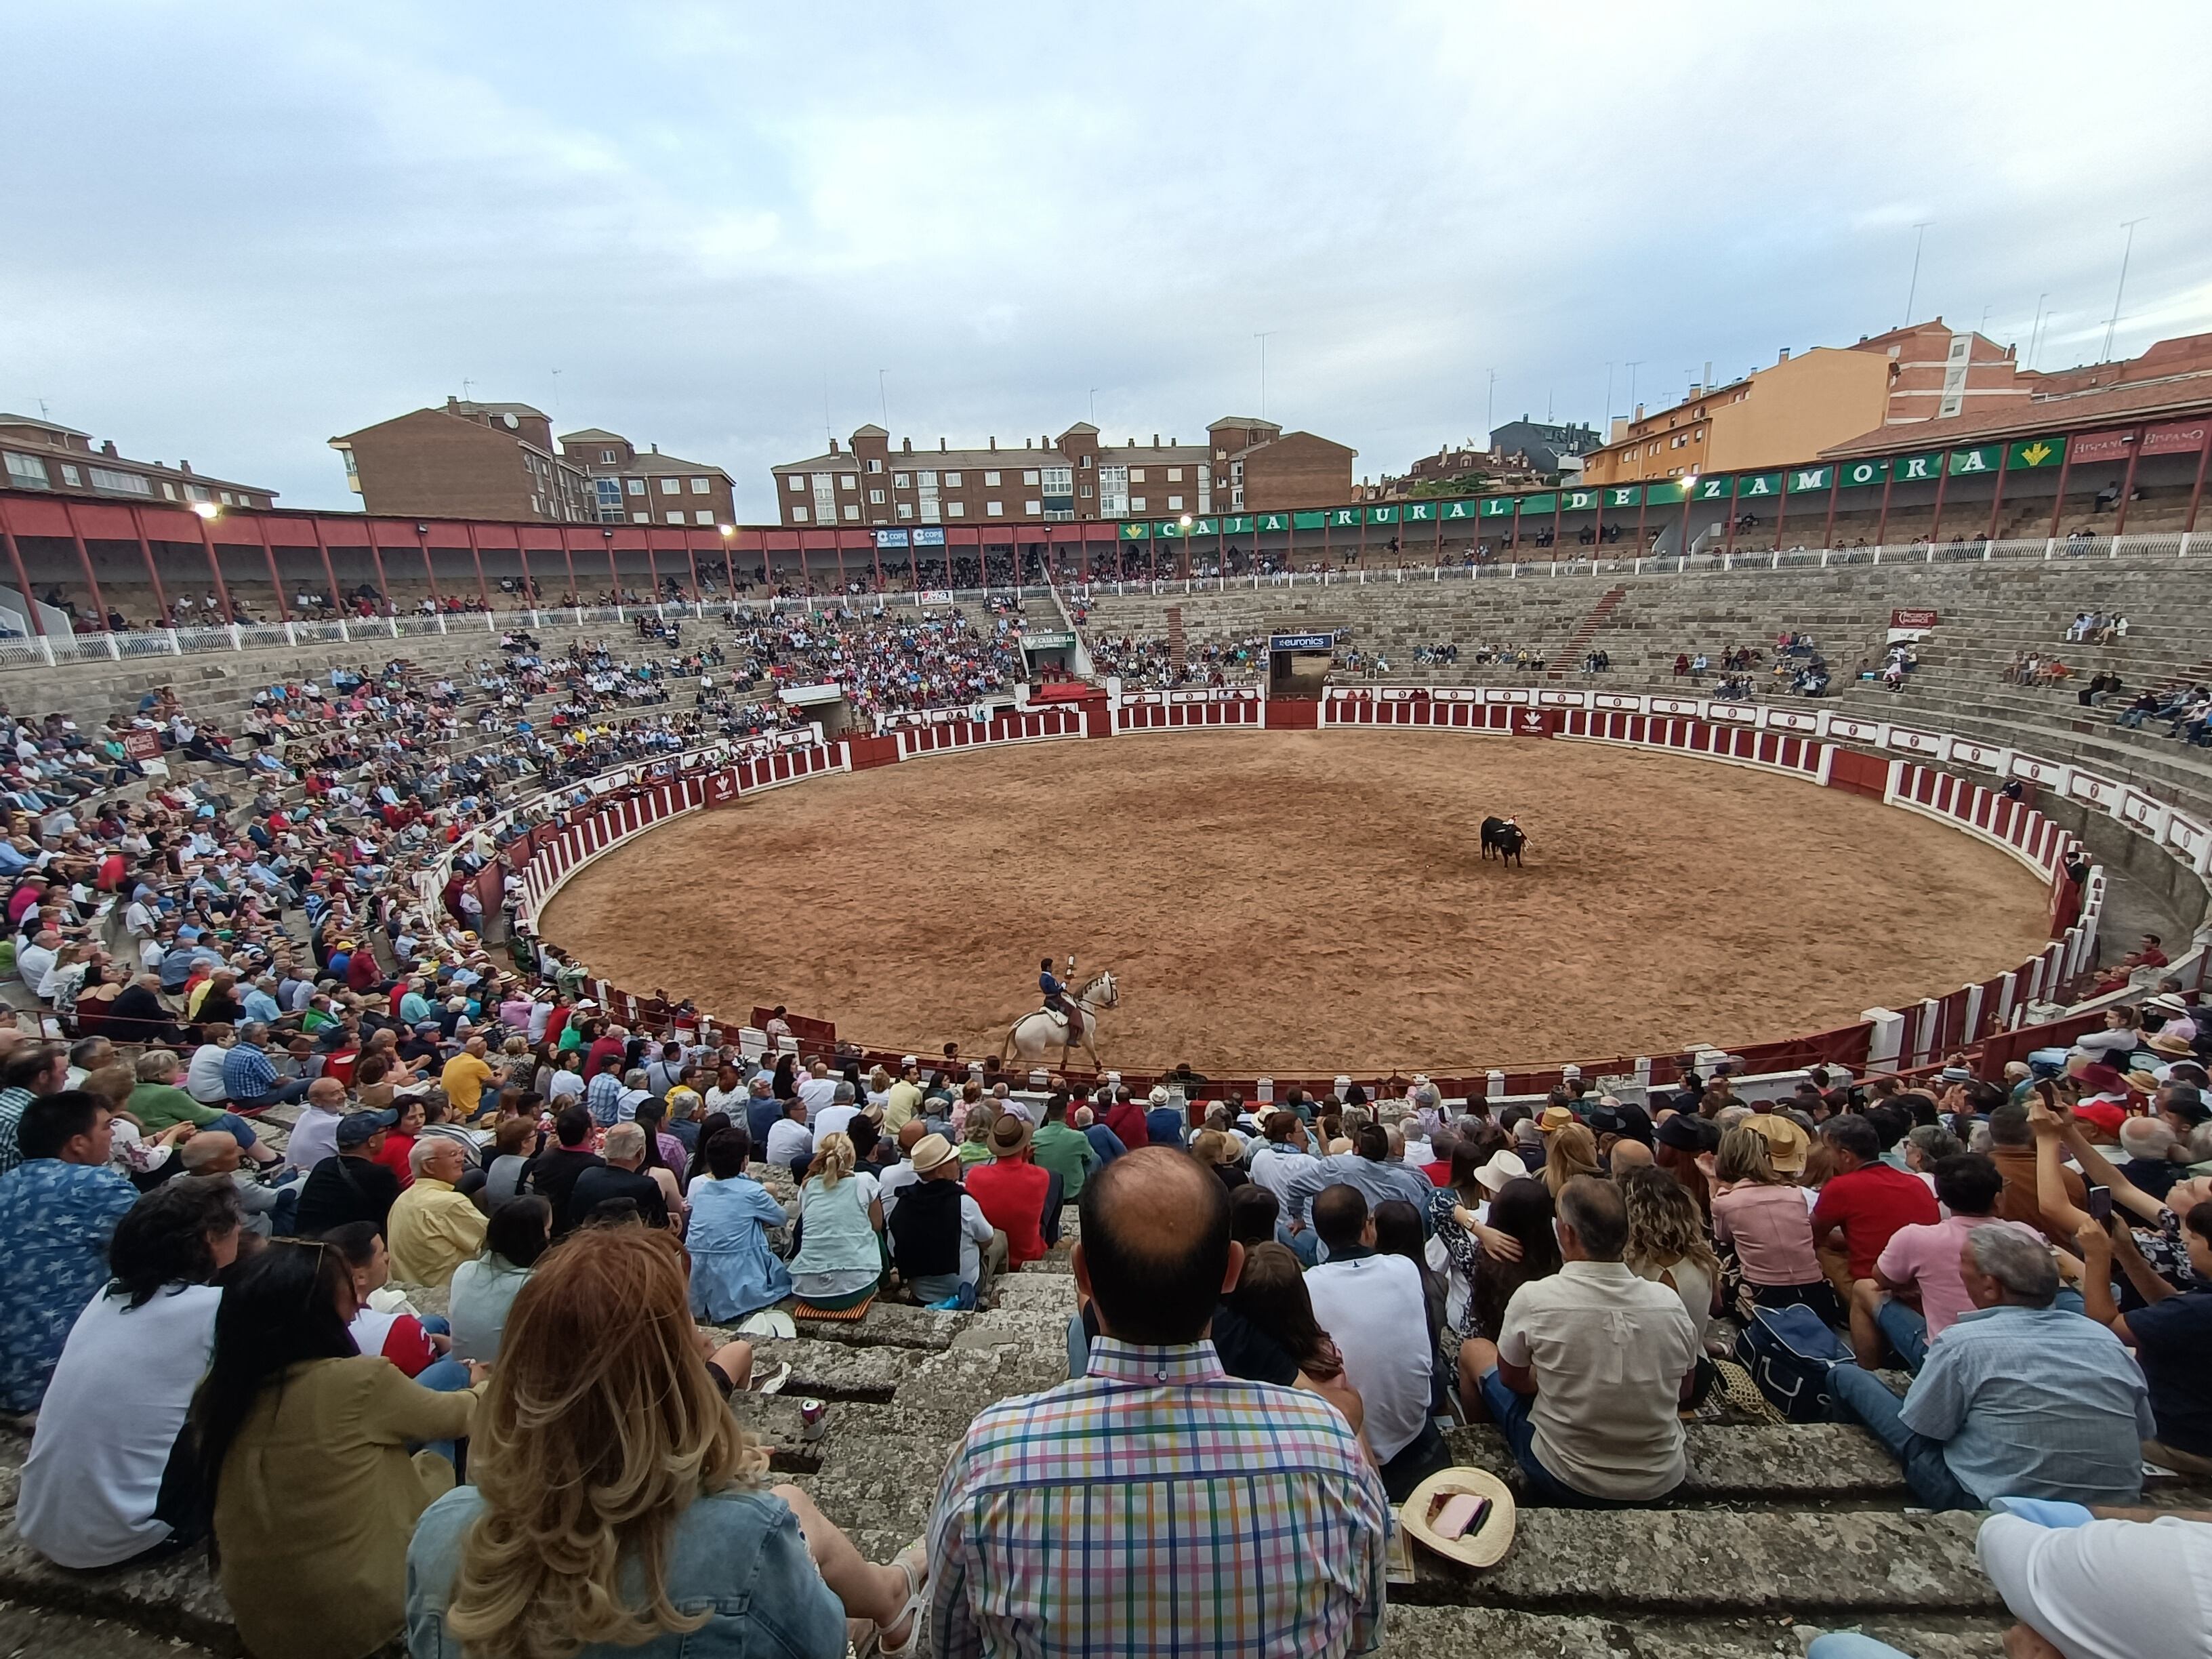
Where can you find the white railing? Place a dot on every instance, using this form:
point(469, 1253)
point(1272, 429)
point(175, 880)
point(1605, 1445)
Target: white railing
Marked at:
point(1571, 563)
point(22, 651)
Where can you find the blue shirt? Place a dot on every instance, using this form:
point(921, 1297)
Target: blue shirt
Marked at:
point(736, 1556)
point(1166, 1125)
point(1377, 1183)
point(1105, 1142)
point(247, 1074)
point(259, 1005)
point(733, 1272)
point(2034, 1402)
point(602, 1097)
point(55, 1221)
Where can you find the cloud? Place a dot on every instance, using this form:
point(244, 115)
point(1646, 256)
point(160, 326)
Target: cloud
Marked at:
point(275, 224)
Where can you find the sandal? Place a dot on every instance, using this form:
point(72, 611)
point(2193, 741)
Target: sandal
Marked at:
point(911, 1561)
point(772, 1383)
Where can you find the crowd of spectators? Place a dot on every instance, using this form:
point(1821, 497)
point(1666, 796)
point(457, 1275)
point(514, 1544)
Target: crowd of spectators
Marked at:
point(207, 1325)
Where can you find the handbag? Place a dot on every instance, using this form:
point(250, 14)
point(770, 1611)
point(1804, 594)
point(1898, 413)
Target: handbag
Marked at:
point(1789, 1352)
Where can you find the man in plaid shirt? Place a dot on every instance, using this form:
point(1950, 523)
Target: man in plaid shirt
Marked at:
point(1158, 1506)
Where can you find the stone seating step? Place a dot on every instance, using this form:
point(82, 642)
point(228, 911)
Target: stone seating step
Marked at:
point(1473, 1631)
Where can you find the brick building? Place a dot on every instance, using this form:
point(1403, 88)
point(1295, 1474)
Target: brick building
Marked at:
point(1244, 466)
point(629, 487)
point(39, 455)
point(1804, 404)
point(500, 461)
point(1455, 469)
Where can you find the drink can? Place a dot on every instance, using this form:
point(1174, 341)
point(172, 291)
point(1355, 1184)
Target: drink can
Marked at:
point(813, 1416)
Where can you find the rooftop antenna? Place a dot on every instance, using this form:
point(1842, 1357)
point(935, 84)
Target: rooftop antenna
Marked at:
point(42, 410)
point(467, 395)
point(1912, 291)
point(1489, 407)
point(1094, 405)
point(1262, 339)
point(884, 397)
point(1609, 394)
point(2035, 334)
point(2119, 294)
point(1632, 367)
point(557, 392)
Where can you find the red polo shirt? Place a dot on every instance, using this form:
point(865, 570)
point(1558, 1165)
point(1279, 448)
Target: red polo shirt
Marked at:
point(1870, 1204)
point(1012, 1198)
point(1126, 1120)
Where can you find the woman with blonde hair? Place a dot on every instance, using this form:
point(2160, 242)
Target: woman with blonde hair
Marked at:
point(1667, 1241)
point(1569, 1150)
point(1766, 1222)
point(841, 1255)
point(618, 1508)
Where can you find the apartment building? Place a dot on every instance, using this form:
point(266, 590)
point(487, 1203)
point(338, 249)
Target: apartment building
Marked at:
point(500, 461)
point(628, 487)
point(1804, 404)
point(40, 455)
point(1244, 466)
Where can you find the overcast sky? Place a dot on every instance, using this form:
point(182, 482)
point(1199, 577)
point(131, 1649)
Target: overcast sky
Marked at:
point(236, 230)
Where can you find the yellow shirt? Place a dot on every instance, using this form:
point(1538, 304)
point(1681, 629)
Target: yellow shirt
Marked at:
point(901, 1102)
point(464, 1078)
point(433, 1229)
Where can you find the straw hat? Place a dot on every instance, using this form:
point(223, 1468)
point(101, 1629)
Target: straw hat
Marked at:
point(1483, 1547)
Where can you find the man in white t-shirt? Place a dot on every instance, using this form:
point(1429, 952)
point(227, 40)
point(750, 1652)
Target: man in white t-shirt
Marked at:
point(1590, 1366)
point(1373, 1308)
point(789, 1140)
point(836, 1118)
point(818, 1089)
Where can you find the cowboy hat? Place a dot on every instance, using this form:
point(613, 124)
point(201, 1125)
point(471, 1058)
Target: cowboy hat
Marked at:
point(929, 1152)
point(1504, 1166)
point(1486, 1545)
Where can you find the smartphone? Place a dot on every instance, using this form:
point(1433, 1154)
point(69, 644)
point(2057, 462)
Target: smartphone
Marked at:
point(1461, 1514)
point(2100, 1205)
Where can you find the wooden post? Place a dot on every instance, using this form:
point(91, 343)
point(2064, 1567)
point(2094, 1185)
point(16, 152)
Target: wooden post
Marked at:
point(1835, 489)
point(2128, 485)
point(22, 577)
point(223, 592)
point(1882, 524)
point(1996, 501)
point(1942, 484)
point(152, 570)
point(268, 552)
point(84, 558)
point(475, 553)
point(2058, 501)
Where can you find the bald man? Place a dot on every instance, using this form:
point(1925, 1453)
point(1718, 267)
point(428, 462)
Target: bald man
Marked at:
point(1170, 1455)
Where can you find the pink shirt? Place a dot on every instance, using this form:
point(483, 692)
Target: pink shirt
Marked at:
point(1926, 1259)
point(1773, 1231)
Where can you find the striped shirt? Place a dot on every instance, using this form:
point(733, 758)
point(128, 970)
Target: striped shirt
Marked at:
point(1159, 1506)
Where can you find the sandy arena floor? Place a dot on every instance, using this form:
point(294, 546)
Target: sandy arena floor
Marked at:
point(1303, 902)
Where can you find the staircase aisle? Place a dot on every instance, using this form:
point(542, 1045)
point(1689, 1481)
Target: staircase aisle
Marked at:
point(1570, 660)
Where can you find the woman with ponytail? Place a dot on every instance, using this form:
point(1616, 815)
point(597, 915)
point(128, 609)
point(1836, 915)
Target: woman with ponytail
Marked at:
point(841, 1254)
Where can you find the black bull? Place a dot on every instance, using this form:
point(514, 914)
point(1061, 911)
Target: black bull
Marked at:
point(1504, 837)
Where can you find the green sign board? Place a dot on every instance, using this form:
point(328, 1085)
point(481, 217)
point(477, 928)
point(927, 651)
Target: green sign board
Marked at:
point(1048, 641)
point(1858, 474)
point(1666, 492)
point(1806, 479)
point(1135, 532)
point(1908, 469)
point(1622, 494)
point(1983, 460)
point(1419, 512)
point(1307, 520)
point(1577, 501)
point(1753, 486)
point(1240, 525)
point(1539, 504)
point(1717, 488)
point(2038, 452)
point(1264, 522)
point(1382, 515)
point(1491, 506)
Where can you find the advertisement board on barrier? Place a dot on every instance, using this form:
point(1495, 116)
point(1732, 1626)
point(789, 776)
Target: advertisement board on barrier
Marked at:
point(935, 595)
point(1301, 641)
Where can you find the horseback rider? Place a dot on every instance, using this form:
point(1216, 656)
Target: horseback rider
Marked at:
point(1056, 1000)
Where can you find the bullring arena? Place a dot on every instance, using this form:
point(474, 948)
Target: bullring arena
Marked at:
point(1308, 899)
point(1288, 888)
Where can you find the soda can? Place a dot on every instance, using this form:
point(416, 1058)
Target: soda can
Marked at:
point(813, 1419)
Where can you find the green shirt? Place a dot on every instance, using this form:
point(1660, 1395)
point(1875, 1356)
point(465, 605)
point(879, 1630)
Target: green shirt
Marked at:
point(1066, 1152)
point(159, 1106)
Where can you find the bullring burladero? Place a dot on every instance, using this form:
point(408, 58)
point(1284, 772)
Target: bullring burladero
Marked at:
point(1289, 902)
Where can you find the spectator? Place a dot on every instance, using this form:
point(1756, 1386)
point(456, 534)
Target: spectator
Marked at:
point(465, 1077)
point(314, 1134)
point(110, 1421)
point(2016, 1399)
point(2172, 1336)
point(353, 1185)
point(553, 1174)
point(790, 1142)
point(518, 1232)
point(1863, 1204)
point(1917, 1291)
point(1367, 1167)
point(646, 1523)
point(1666, 1243)
point(1125, 1119)
point(58, 1209)
point(1168, 1448)
point(1765, 1220)
point(1015, 1195)
point(733, 1273)
point(398, 1153)
point(1375, 1310)
point(840, 1260)
point(1284, 1151)
point(618, 1180)
point(433, 1227)
point(512, 1143)
point(249, 1076)
point(416, 1343)
point(1062, 1151)
point(944, 1246)
point(301, 1461)
point(35, 1069)
point(1590, 1365)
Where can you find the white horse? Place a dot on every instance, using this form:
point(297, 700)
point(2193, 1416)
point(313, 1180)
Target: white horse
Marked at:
point(1033, 1034)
